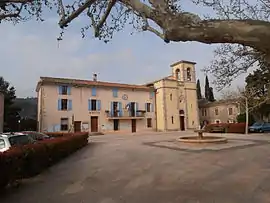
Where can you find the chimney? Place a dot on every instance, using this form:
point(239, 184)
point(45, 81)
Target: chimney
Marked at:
point(94, 77)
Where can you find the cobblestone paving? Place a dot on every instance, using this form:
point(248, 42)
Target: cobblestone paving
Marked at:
point(153, 168)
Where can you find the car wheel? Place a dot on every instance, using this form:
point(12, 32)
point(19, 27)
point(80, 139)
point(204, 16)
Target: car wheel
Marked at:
point(261, 131)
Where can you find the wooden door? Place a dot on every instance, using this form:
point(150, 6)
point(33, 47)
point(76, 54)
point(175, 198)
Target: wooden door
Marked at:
point(77, 126)
point(94, 123)
point(116, 124)
point(133, 125)
point(182, 123)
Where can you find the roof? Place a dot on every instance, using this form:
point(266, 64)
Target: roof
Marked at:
point(183, 61)
point(170, 77)
point(79, 82)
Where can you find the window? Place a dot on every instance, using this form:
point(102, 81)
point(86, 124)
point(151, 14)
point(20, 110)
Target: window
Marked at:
point(64, 124)
point(216, 112)
point(217, 121)
point(204, 112)
point(172, 120)
point(171, 97)
point(188, 74)
point(148, 107)
point(64, 104)
point(115, 92)
point(64, 90)
point(177, 74)
point(2, 144)
point(149, 122)
point(230, 111)
point(94, 105)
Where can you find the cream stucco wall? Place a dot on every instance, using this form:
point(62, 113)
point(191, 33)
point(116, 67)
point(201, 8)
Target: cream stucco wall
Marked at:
point(175, 94)
point(49, 115)
point(223, 112)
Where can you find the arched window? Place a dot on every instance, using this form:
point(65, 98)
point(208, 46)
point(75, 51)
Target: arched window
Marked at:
point(189, 74)
point(177, 74)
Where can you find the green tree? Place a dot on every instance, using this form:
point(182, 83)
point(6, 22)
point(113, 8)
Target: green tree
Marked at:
point(9, 95)
point(199, 93)
point(206, 88)
point(241, 118)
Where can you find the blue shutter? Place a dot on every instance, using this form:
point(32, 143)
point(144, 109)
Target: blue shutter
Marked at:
point(60, 89)
point(129, 111)
point(98, 105)
point(111, 109)
point(152, 107)
point(69, 105)
point(69, 90)
point(89, 105)
point(136, 108)
point(120, 113)
point(115, 92)
point(59, 105)
point(94, 91)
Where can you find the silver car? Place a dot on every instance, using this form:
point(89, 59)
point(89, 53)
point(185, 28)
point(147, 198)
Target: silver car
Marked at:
point(8, 140)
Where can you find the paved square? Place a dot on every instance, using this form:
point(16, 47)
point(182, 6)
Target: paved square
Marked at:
point(125, 169)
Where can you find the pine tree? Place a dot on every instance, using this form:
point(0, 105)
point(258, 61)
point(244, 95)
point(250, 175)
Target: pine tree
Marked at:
point(199, 93)
point(206, 89)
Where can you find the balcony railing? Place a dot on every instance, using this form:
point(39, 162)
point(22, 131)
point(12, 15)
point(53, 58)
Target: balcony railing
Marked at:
point(125, 114)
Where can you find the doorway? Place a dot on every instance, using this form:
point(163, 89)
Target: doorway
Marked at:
point(77, 126)
point(182, 123)
point(116, 124)
point(132, 110)
point(94, 123)
point(133, 125)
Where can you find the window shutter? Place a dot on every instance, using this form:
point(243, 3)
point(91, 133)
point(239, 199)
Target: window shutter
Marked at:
point(69, 105)
point(59, 105)
point(89, 105)
point(136, 108)
point(94, 91)
point(111, 109)
point(152, 107)
point(60, 89)
point(57, 128)
point(98, 105)
point(145, 107)
point(69, 90)
point(120, 109)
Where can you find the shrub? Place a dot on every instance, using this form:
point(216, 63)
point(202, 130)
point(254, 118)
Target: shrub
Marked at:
point(236, 128)
point(30, 160)
point(62, 134)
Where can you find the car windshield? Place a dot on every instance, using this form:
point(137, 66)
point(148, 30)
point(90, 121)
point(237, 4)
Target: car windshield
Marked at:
point(2, 144)
point(19, 140)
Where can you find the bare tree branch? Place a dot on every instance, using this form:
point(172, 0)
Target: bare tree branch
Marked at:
point(64, 22)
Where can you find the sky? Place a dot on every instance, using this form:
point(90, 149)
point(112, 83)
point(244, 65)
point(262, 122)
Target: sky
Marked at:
point(29, 50)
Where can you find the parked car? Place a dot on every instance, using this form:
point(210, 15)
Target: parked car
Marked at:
point(37, 135)
point(8, 140)
point(260, 127)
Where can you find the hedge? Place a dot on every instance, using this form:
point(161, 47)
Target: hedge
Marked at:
point(30, 160)
point(228, 127)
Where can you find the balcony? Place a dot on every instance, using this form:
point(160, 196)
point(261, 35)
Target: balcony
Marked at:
point(125, 114)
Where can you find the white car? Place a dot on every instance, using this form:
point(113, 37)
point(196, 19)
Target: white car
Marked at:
point(8, 140)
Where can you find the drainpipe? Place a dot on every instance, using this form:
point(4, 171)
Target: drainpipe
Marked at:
point(155, 98)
